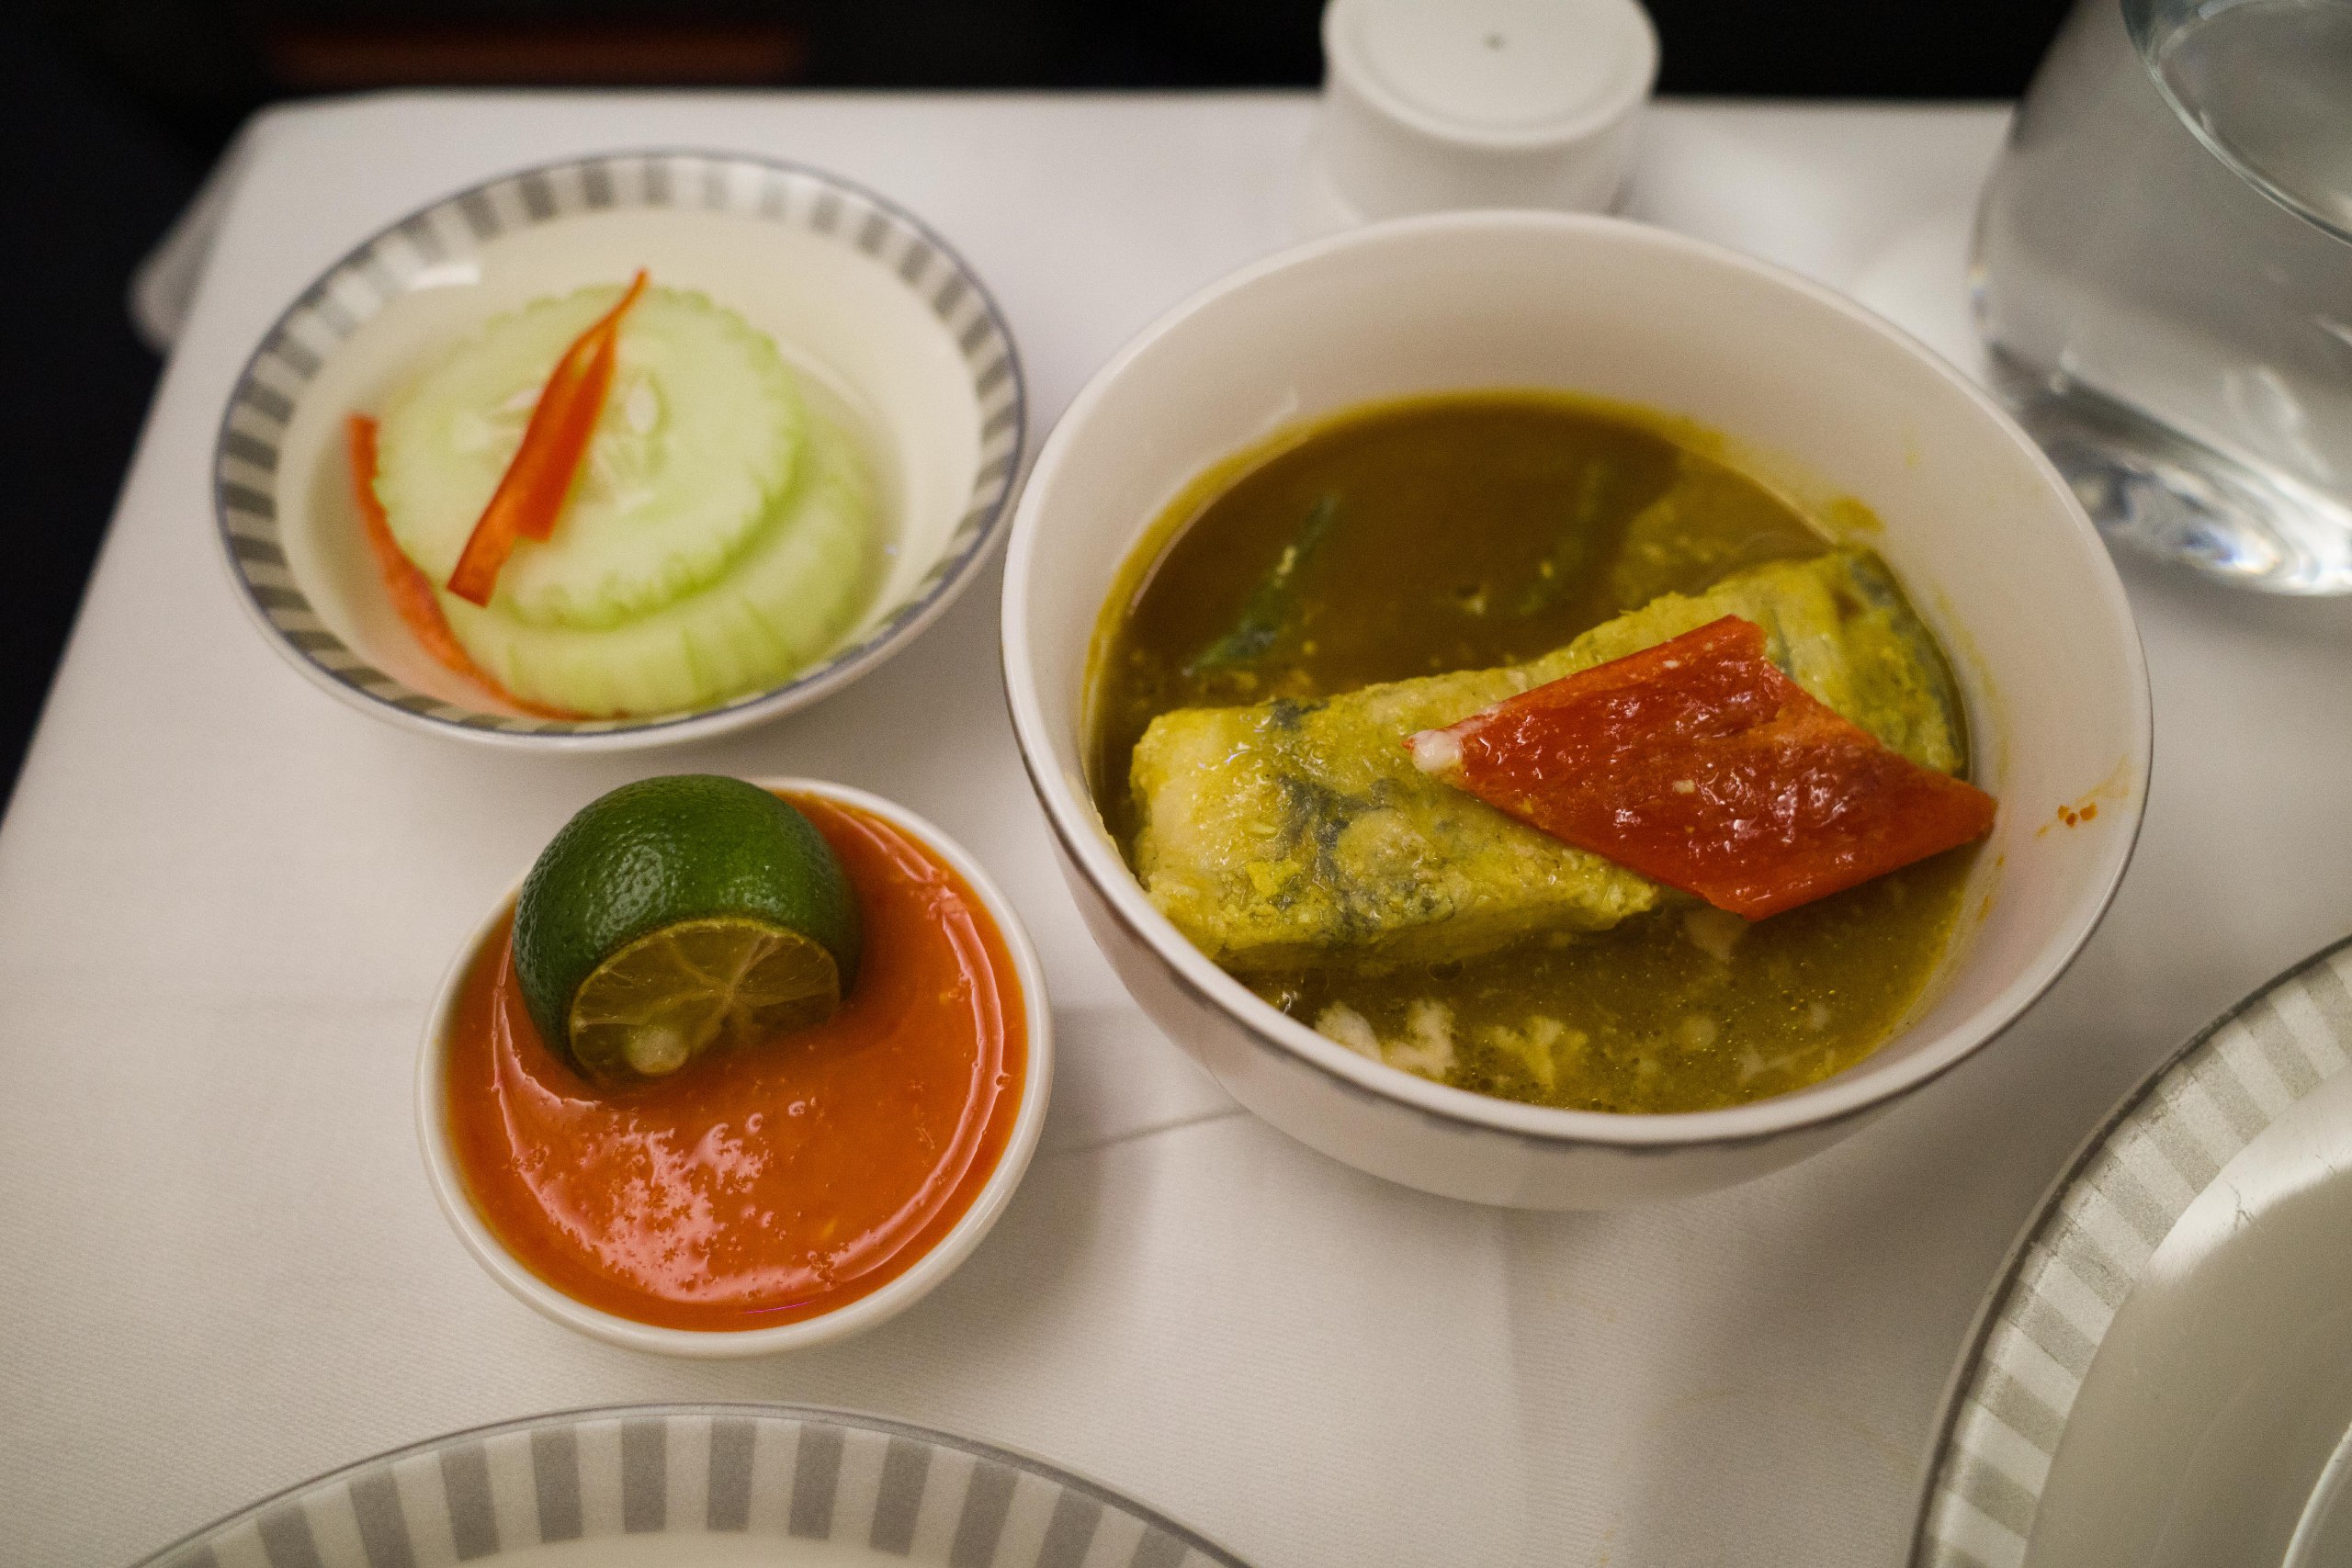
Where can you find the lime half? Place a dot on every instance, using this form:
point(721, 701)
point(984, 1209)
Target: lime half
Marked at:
point(670, 995)
point(675, 914)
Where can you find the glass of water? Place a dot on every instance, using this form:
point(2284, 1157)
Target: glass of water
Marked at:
point(2164, 277)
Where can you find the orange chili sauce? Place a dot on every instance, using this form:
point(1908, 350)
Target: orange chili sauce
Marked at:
point(770, 1183)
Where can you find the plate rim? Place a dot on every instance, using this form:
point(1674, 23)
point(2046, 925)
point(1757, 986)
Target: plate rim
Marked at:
point(1938, 1481)
point(1019, 1460)
point(987, 520)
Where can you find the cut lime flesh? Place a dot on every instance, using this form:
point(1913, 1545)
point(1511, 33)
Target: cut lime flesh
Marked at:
point(679, 991)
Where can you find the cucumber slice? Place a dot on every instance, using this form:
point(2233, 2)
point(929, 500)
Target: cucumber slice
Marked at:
point(697, 440)
point(796, 589)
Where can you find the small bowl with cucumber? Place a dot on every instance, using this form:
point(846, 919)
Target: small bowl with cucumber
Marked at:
point(618, 452)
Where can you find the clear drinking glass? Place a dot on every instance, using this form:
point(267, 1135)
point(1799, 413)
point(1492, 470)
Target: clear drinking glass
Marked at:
point(2164, 277)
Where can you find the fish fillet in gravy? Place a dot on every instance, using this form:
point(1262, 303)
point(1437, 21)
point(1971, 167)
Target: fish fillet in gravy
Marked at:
point(1293, 832)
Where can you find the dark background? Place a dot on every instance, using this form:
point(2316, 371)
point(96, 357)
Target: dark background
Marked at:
point(110, 111)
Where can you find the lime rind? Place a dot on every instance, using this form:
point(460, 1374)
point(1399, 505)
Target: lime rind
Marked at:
point(664, 851)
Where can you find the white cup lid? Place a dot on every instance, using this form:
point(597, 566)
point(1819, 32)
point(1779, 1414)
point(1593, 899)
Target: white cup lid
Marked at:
point(1509, 72)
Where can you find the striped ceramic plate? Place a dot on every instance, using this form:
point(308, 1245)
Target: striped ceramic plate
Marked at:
point(2051, 1454)
point(889, 327)
point(697, 1486)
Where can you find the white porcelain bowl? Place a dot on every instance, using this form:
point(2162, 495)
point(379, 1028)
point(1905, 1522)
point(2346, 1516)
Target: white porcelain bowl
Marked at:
point(888, 332)
point(1819, 395)
point(851, 1317)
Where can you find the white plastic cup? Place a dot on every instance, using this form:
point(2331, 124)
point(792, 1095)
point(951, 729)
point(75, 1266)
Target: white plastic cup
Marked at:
point(1436, 103)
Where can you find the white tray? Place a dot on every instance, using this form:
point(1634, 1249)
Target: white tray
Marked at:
point(225, 901)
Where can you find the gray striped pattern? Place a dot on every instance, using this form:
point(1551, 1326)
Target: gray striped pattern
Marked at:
point(2087, 1249)
point(773, 1470)
point(356, 288)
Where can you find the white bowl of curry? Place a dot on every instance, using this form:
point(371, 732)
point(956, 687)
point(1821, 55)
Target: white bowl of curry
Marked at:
point(1367, 490)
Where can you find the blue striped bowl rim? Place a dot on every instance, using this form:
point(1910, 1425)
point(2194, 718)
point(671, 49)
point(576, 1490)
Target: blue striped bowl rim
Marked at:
point(386, 265)
point(775, 1471)
point(2090, 1242)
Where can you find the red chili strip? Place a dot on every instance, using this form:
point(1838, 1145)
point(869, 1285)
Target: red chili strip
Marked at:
point(1700, 765)
point(531, 494)
point(409, 589)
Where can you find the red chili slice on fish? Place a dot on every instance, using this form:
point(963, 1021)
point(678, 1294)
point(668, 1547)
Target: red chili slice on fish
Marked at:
point(1699, 764)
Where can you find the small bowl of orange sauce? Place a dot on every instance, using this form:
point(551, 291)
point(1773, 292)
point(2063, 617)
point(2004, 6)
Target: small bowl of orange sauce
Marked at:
point(770, 1196)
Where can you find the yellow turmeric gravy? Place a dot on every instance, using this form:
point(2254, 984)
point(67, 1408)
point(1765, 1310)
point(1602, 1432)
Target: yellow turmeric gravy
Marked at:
point(1470, 530)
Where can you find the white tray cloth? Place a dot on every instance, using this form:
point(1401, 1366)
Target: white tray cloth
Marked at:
point(225, 901)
